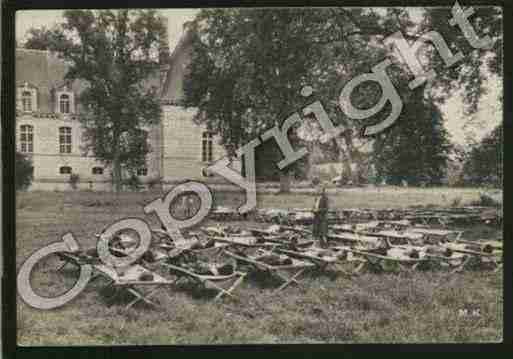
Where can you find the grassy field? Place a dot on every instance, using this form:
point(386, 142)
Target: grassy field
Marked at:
point(370, 308)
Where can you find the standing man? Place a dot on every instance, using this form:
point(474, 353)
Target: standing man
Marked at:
point(320, 223)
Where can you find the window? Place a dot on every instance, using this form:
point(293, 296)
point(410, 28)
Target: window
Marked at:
point(206, 147)
point(27, 138)
point(142, 171)
point(65, 139)
point(65, 170)
point(26, 98)
point(26, 101)
point(64, 103)
point(97, 171)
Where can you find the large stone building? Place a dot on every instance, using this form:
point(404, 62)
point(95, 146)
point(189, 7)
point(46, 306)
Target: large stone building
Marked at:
point(48, 130)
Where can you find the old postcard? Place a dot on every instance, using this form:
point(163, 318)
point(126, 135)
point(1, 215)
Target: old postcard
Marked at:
point(259, 175)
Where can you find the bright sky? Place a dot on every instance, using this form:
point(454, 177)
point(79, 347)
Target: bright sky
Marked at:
point(488, 116)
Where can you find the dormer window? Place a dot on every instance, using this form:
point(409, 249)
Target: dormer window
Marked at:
point(64, 103)
point(26, 98)
point(26, 101)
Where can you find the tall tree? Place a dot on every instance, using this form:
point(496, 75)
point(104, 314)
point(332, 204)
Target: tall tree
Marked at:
point(114, 52)
point(355, 45)
point(44, 39)
point(416, 149)
point(474, 75)
point(248, 66)
point(477, 65)
point(483, 165)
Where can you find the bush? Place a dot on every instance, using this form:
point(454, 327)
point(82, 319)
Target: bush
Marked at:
point(74, 178)
point(483, 166)
point(486, 200)
point(24, 172)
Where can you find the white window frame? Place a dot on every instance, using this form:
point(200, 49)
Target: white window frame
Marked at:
point(65, 140)
point(207, 146)
point(26, 101)
point(71, 102)
point(26, 138)
point(64, 103)
point(33, 98)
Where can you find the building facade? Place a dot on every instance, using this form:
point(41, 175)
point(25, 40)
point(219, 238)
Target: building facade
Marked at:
point(48, 129)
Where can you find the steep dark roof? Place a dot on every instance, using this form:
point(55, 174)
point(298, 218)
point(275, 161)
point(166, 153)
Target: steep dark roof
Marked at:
point(39, 68)
point(172, 91)
point(46, 71)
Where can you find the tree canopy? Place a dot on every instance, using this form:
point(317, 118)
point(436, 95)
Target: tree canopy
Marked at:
point(249, 65)
point(477, 65)
point(44, 38)
point(416, 150)
point(483, 165)
point(247, 68)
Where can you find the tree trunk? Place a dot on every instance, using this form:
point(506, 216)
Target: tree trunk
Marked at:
point(116, 171)
point(348, 154)
point(352, 157)
point(117, 176)
point(345, 159)
point(310, 159)
point(285, 180)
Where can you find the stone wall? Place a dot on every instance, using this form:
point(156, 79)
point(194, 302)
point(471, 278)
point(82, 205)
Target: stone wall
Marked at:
point(47, 159)
point(176, 151)
point(182, 145)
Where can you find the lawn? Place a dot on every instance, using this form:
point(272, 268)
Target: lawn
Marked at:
point(370, 308)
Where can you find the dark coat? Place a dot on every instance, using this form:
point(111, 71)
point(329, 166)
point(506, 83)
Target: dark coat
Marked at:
point(320, 222)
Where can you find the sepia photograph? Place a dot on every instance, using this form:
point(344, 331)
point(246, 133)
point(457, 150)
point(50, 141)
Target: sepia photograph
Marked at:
point(259, 175)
